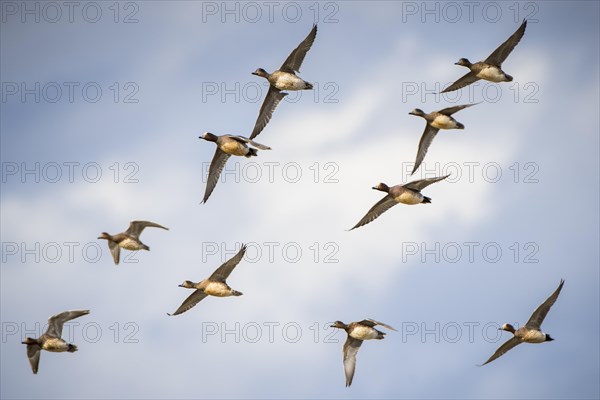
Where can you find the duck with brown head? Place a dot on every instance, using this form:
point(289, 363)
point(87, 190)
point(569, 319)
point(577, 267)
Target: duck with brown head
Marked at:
point(409, 193)
point(531, 332)
point(284, 78)
point(215, 285)
point(491, 68)
point(128, 240)
point(227, 146)
point(357, 332)
point(435, 121)
point(52, 340)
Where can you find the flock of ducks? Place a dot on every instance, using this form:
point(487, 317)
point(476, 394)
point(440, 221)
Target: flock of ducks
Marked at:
point(285, 78)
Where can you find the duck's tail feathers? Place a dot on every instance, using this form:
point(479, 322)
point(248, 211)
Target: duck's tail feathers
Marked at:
point(309, 86)
point(548, 338)
point(426, 200)
point(508, 78)
point(236, 293)
point(251, 152)
point(72, 348)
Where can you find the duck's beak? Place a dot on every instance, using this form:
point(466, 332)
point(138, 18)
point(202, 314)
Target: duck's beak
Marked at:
point(374, 188)
point(180, 285)
point(254, 73)
point(411, 113)
point(456, 63)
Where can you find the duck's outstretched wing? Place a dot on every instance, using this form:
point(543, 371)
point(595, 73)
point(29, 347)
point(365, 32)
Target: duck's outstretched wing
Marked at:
point(372, 323)
point(214, 172)
point(243, 139)
point(500, 54)
point(56, 322)
point(536, 319)
point(115, 250)
point(223, 272)
point(463, 81)
point(190, 302)
point(33, 354)
point(426, 140)
point(451, 110)
point(272, 100)
point(136, 227)
point(509, 344)
point(417, 186)
point(350, 350)
point(294, 60)
point(379, 208)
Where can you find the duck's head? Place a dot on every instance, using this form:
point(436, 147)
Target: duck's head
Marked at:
point(417, 111)
point(209, 137)
point(104, 235)
point(463, 62)
point(508, 328)
point(261, 72)
point(187, 285)
point(29, 340)
point(339, 325)
point(382, 187)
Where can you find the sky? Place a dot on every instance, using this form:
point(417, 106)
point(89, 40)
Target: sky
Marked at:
point(102, 105)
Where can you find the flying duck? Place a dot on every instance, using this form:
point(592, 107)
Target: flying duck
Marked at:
point(227, 145)
point(436, 120)
point(357, 333)
point(284, 78)
point(214, 285)
point(130, 239)
point(531, 332)
point(409, 193)
point(491, 68)
point(51, 340)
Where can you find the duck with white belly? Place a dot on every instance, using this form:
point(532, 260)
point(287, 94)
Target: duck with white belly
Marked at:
point(357, 333)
